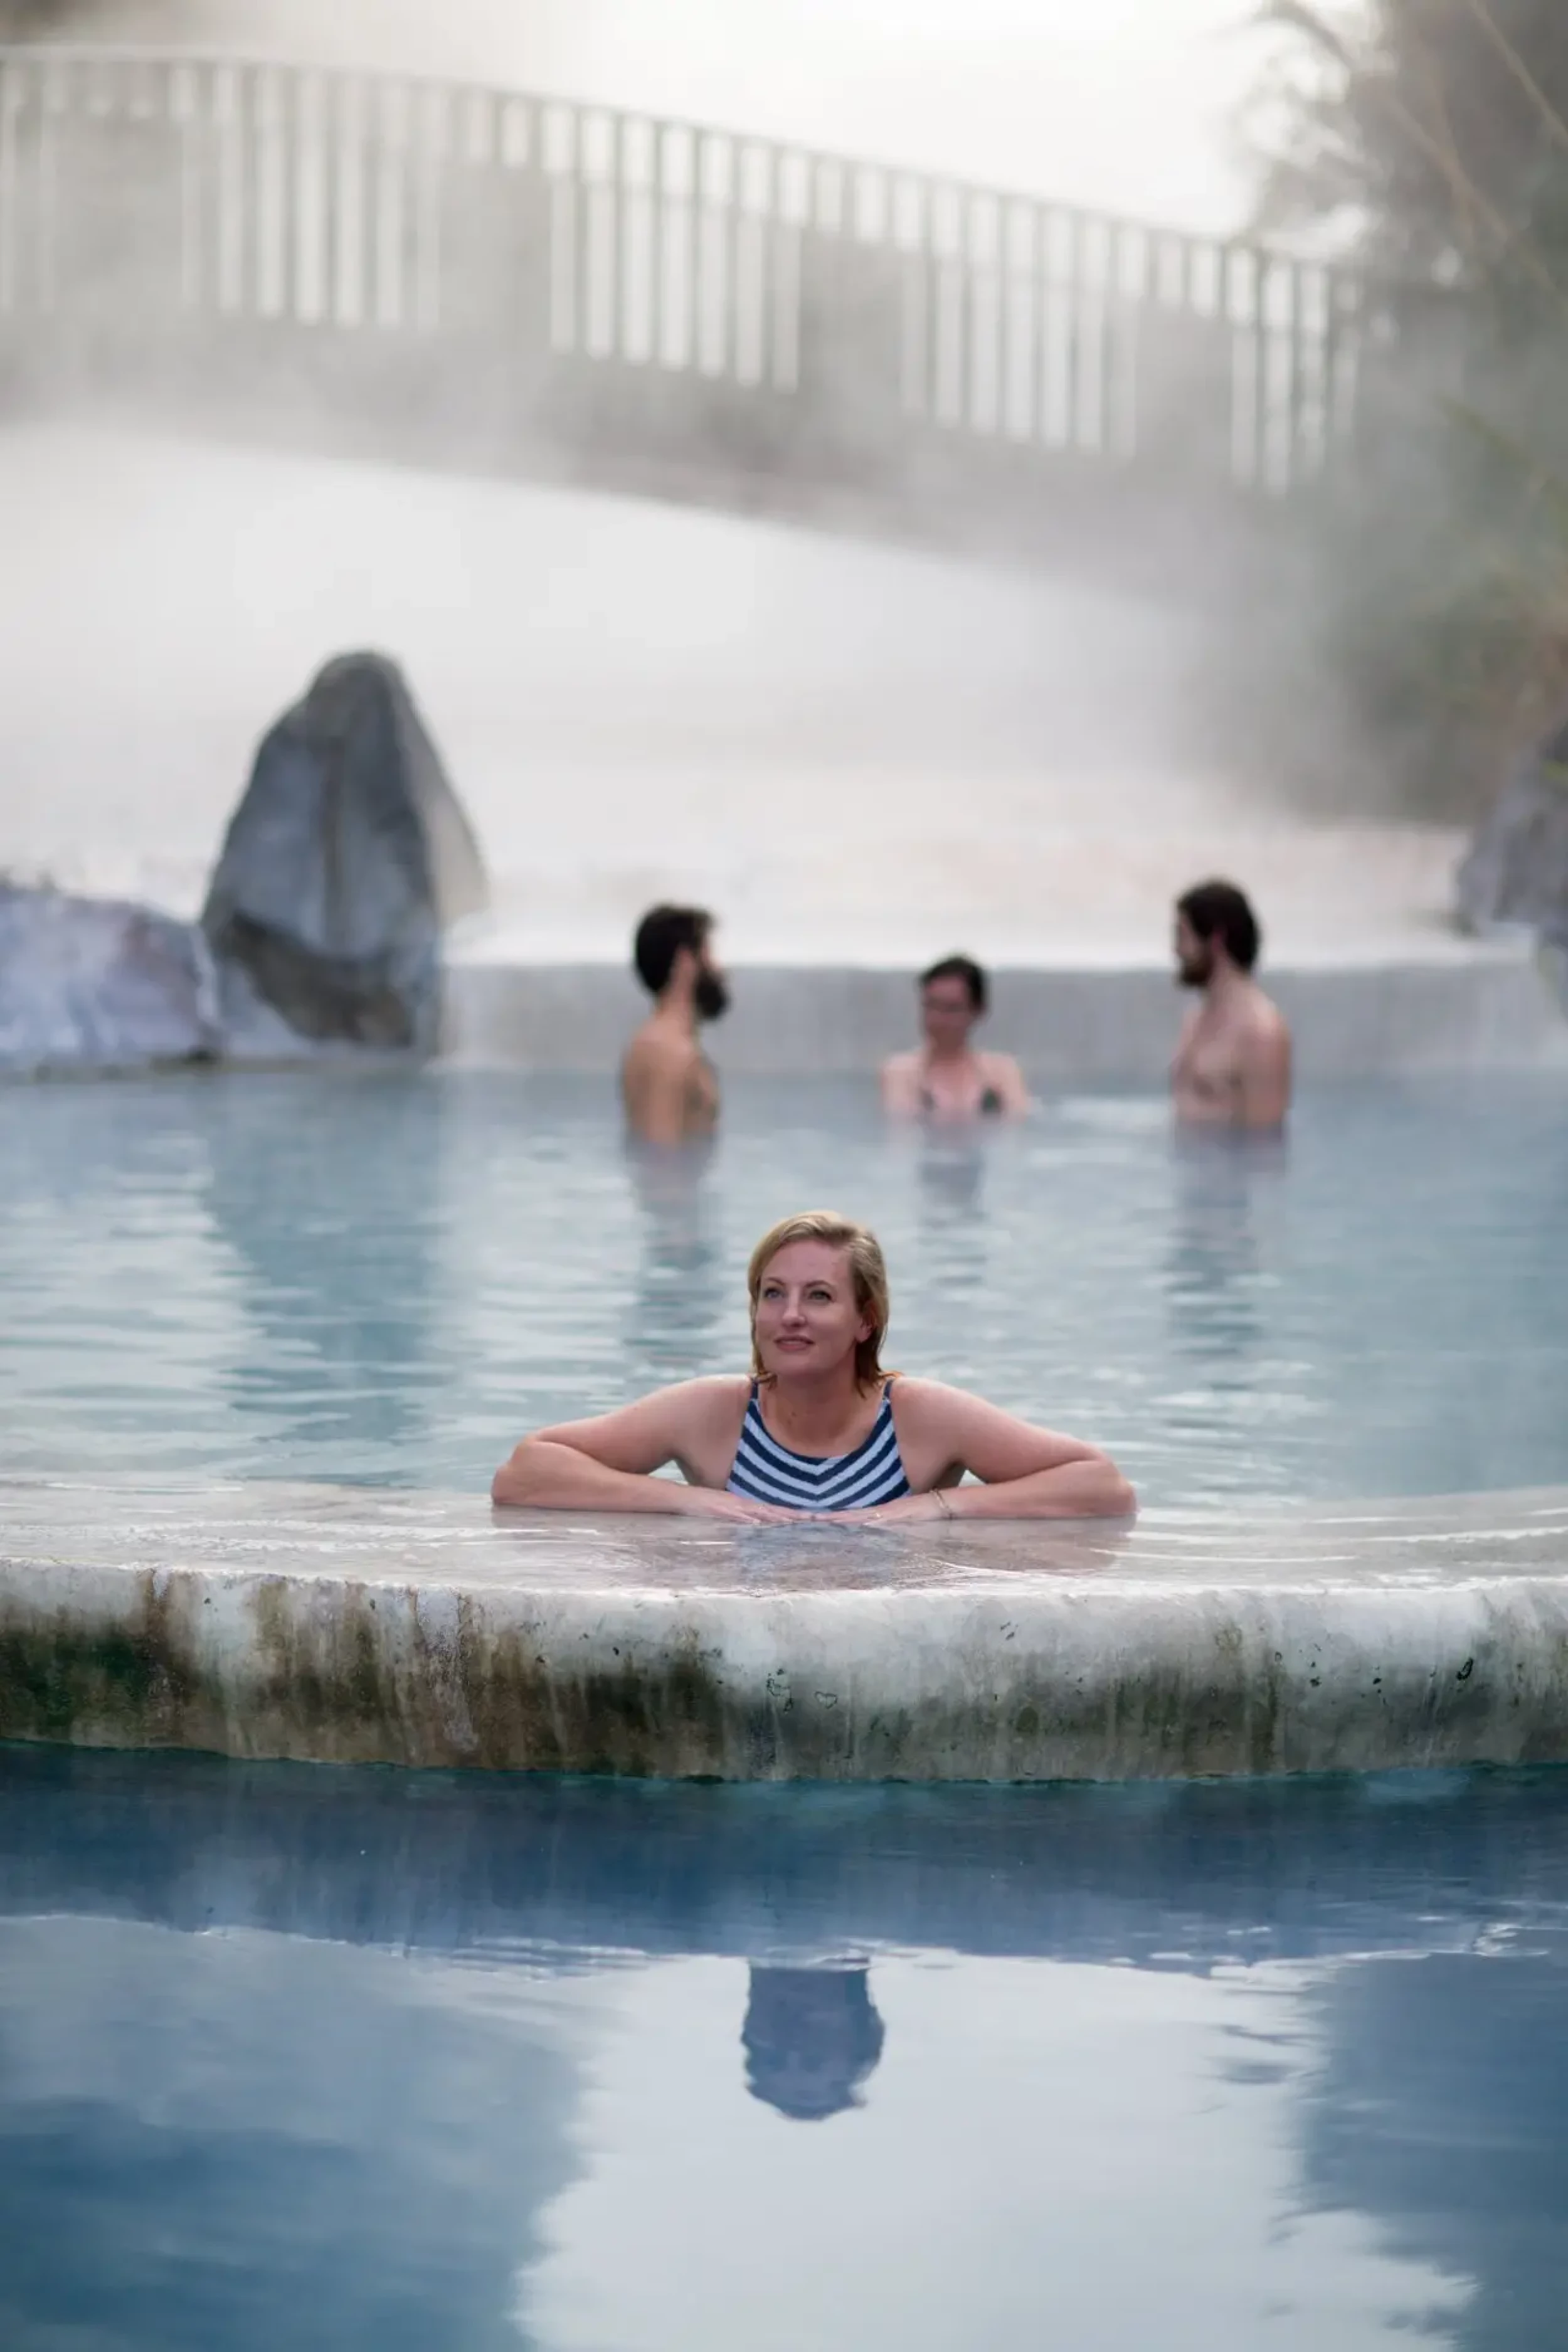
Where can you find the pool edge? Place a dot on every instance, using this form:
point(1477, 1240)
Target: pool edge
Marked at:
point(1188, 1656)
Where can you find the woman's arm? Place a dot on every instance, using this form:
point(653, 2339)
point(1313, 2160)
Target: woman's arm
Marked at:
point(902, 1086)
point(1026, 1472)
point(607, 1463)
point(1003, 1072)
point(1089, 1487)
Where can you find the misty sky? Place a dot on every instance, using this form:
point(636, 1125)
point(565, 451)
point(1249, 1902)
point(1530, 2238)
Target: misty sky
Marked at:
point(1129, 104)
point(1054, 750)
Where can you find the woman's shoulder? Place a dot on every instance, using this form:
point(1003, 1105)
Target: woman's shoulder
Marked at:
point(931, 1412)
point(715, 1388)
point(923, 1399)
point(713, 1395)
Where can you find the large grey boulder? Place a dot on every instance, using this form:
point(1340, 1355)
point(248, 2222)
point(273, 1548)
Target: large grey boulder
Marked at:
point(1516, 869)
point(97, 984)
point(345, 861)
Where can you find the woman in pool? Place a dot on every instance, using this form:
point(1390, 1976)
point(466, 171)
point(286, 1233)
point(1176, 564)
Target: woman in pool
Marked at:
point(819, 1427)
point(947, 1078)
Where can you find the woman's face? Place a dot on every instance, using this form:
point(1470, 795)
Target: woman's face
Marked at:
point(946, 1014)
point(807, 1317)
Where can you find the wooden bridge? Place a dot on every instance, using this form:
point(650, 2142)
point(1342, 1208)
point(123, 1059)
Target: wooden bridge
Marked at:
point(476, 277)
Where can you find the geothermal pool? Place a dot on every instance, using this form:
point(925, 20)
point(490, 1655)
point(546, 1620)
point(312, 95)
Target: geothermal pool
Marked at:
point(385, 1279)
point(294, 2055)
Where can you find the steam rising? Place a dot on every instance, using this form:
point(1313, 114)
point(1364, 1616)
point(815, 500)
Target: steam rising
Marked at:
point(849, 750)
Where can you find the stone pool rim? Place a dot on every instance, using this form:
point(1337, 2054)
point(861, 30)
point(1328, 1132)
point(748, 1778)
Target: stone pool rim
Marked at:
point(383, 1626)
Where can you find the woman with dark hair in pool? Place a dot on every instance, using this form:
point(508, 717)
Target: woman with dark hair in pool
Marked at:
point(818, 1427)
point(946, 1078)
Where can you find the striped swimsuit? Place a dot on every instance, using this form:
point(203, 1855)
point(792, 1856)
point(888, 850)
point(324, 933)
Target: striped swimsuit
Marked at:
point(767, 1472)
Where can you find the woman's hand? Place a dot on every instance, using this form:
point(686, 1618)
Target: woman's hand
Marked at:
point(718, 1503)
point(891, 1514)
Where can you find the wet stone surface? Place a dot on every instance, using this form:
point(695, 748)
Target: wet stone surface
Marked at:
point(319, 1622)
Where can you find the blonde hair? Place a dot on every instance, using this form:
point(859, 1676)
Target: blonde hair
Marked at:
point(867, 1266)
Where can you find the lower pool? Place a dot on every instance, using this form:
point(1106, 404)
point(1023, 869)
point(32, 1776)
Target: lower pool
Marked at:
point(388, 1278)
point(290, 2056)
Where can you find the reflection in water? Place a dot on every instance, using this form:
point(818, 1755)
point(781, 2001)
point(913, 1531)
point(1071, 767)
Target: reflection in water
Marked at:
point(952, 1169)
point(1213, 1265)
point(951, 1217)
point(678, 1299)
point(344, 1332)
point(261, 2142)
point(1215, 1277)
point(811, 2037)
point(1440, 2111)
point(306, 2056)
point(116, 1295)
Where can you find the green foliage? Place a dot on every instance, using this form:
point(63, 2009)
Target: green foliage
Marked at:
point(1437, 130)
point(1431, 137)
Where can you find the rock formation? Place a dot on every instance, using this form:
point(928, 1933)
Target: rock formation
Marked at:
point(346, 859)
point(97, 984)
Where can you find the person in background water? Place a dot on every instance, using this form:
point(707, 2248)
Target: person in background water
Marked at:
point(947, 1078)
point(818, 1427)
point(1233, 1064)
point(668, 1084)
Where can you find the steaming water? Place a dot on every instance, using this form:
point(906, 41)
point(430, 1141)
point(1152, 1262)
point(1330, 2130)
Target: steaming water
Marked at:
point(390, 1280)
point(852, 753)
point(337, 2059)
point(323, 2059)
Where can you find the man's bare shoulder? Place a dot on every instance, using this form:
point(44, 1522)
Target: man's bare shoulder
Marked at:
point(1249, 1018)
point(654, 1047)
point(1263, 1023)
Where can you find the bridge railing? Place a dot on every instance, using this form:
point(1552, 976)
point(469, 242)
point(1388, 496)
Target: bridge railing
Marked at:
point(820, 309)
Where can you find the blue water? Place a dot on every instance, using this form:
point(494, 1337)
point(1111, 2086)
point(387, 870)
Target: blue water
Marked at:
point(291, 2056)
point(389, 1279)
